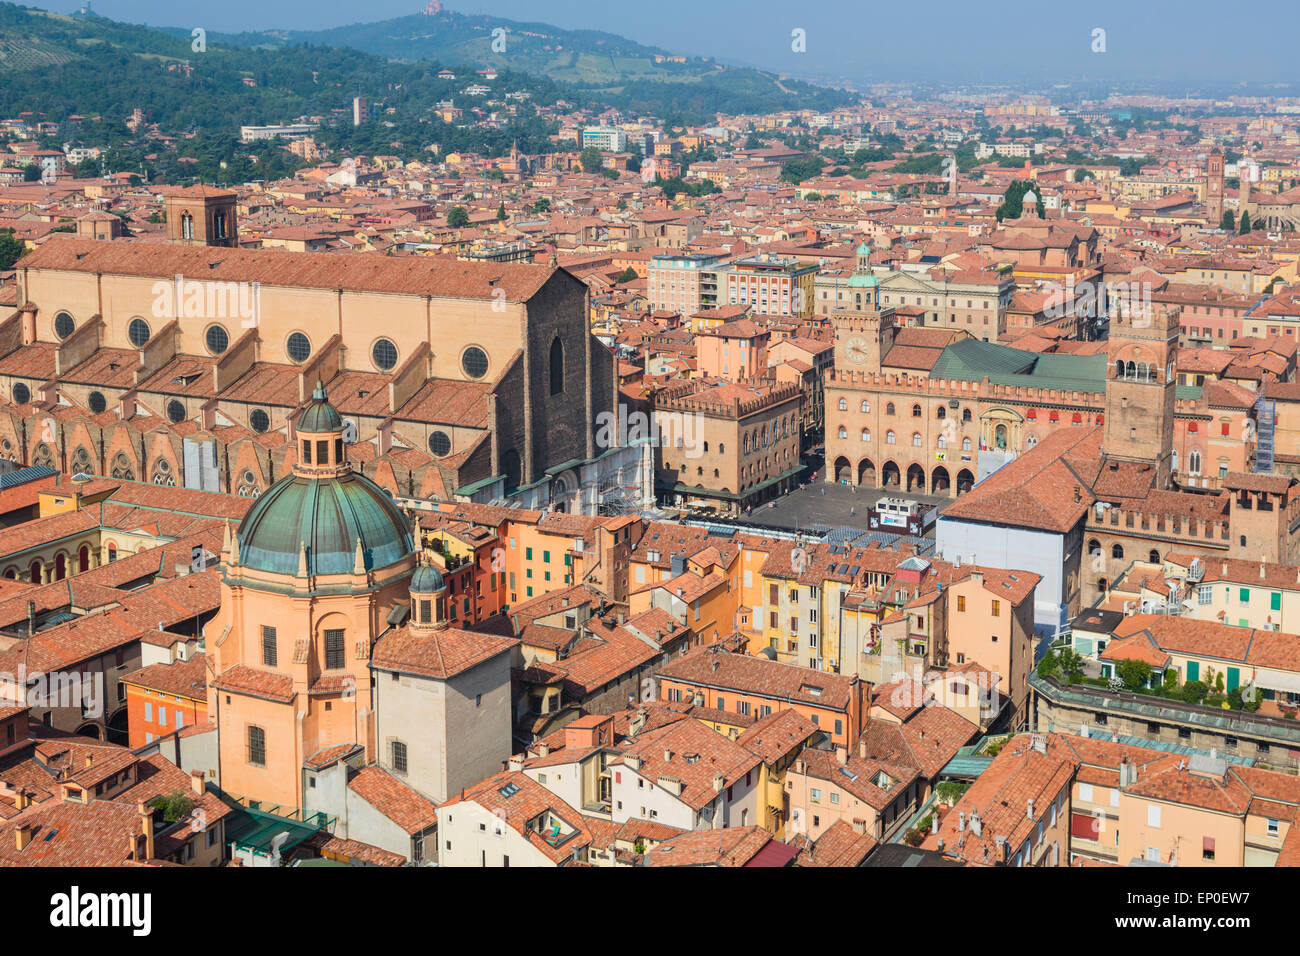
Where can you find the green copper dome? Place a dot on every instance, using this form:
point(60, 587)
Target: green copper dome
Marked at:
point(329, 514)
point(861, 280)
point(319, 415)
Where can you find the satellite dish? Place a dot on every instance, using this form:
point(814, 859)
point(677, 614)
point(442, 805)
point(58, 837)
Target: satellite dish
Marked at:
point(349, 431)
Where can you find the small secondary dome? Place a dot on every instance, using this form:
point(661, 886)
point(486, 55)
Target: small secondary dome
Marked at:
point(427, 580)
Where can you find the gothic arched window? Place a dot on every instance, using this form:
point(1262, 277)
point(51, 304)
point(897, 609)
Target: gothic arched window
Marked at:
point(557, 367)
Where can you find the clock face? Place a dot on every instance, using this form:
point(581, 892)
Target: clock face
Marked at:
point(856, 349)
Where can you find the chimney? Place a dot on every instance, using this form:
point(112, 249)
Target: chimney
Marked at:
point(976, 824)
point(668, 755)
point(196, 782)
point(718, 781)
point(862, 749)
point(1261, 571)
point(842, 755)
point(146, 822)
point(1029, 809)
point(961, 821)
point(1077, 496)
point(23, 835)
point(939, 844)
point(21, 800)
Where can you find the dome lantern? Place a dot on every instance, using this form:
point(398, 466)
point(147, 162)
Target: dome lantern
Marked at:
point(319, 433)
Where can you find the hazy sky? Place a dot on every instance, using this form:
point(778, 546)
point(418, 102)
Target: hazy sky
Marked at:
point(1189, 43)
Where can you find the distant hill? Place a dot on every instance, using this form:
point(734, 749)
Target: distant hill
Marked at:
point(613, 69)
point(577, 56)
point(35, 39)
point(100, 70)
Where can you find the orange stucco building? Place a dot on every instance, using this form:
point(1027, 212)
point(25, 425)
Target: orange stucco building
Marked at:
point(310, 579)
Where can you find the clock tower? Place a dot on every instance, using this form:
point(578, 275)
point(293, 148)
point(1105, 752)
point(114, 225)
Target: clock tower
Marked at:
point(864, 332)
point(862, 339)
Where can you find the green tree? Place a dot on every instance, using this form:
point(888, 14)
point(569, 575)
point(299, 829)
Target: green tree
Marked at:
point(501, 211)
point(1194, 691)
point(31, 173)
point(1049, 666)
point(173, 806)
point(1071, 664)
point(542, 205)
point(458, 217)
point(496, 175)
point(1245, 222)
point(1014, 199)
point(627, 275)
point(634, 164)
point(797, 170)
point(11, 249)
point(700, 187)
point(1134, 673)
point(1228, 222)
point(591, 159)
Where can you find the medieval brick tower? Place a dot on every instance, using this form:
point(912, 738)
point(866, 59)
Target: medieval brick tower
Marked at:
point(1142, 356)
point(1214, 189)
point(202, 216)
